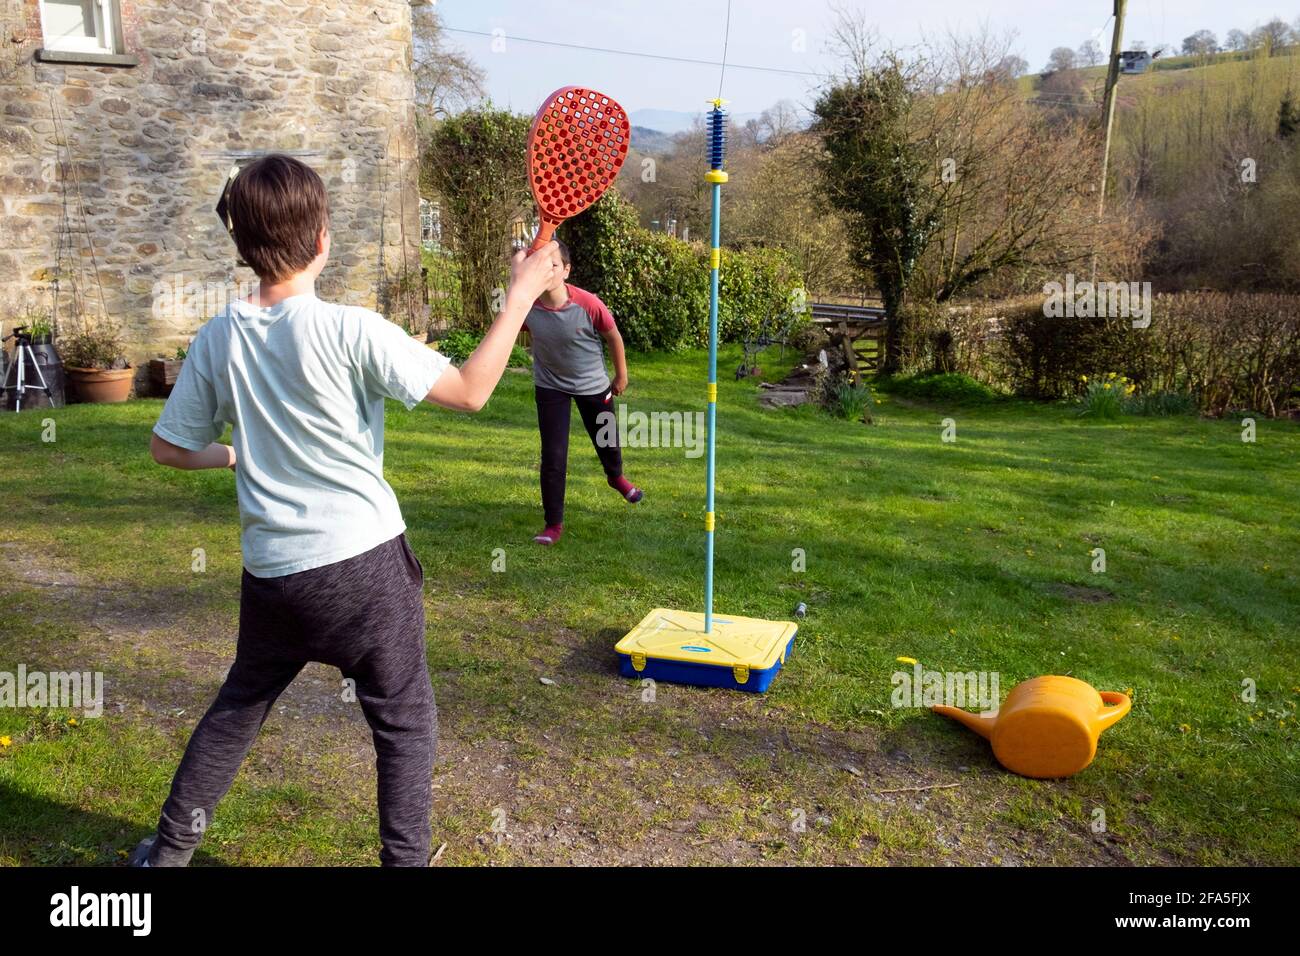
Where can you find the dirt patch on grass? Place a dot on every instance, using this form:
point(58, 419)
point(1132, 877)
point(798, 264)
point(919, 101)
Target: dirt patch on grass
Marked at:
point(1082, 594)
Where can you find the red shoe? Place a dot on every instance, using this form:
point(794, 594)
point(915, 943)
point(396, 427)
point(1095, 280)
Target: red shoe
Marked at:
point(630, 492)
point(549, 535)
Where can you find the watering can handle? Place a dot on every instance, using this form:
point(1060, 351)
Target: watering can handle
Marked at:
point(1120, 705)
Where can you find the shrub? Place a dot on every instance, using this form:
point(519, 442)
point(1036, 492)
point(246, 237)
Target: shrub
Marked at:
point(951, 388)
point(476, 162)
point(1046, 357)
point(841, 395)
point(1162, 404)
point(851, 400)
point(940, 339)
point(658, 287)
point(459, 344)
point(96, 344)
point(442, 272)
point(1228, 351)
point(1105, 398)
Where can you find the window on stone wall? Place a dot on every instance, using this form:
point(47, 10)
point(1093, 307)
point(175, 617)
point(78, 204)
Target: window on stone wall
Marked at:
point(80, 26)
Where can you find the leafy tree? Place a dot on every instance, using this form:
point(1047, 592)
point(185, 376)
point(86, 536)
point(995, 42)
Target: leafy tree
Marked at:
point(476, 163)
point(1201, 43)
point(876, 174)
point(1062, 59)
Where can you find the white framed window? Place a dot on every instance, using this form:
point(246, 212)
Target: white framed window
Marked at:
point(80, 26)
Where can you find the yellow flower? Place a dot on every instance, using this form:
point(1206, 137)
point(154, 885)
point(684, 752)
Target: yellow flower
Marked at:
point(5, 742)
point(1184, 728)
point(906, 660)
point(72, 721)
point(1083, 378)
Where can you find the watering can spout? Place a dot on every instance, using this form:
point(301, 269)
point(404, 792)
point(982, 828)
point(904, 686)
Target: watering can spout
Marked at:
point(982, 724)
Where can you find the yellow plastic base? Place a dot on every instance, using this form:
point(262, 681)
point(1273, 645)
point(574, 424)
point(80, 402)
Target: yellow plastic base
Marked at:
point(734, 641)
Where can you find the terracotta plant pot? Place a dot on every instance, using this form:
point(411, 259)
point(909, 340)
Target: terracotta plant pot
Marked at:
point(101, 385)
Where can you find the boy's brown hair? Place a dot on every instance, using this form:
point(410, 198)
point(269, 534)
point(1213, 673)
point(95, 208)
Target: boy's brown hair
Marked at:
point(277, 209)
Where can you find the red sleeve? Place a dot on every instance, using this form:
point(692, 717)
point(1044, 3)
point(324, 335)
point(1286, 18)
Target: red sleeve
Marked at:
point(602, 320)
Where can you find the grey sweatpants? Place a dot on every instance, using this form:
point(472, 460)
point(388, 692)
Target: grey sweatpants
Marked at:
point(365, 616)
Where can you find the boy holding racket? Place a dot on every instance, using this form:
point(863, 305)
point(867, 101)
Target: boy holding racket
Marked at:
point(328, 573)
point(569, 327)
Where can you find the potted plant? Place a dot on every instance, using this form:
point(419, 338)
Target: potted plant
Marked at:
point(95, 359)
point(163, 372)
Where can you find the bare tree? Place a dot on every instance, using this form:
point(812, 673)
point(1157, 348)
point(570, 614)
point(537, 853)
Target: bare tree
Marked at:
point(446, 79)
point(777, 122)
point(1271, 36)
point(1090, 53)
point(1201, 43)
point(1012, 66)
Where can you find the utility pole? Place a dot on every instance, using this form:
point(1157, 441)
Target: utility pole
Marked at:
point(1112, 90)
point(1108, 118)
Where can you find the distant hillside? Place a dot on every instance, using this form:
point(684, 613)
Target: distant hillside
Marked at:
point(648, 140)
point(1223, 66)
point(677, 121)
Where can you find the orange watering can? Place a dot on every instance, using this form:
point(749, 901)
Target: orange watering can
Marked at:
point(1047, 727)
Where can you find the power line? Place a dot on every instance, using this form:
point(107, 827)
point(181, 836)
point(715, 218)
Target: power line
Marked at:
point(637, 53)
point(726, 39)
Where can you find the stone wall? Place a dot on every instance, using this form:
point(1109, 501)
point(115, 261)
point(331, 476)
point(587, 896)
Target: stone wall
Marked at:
point(109, 175)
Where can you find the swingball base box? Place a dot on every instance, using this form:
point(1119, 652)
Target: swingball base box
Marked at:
point(741, 653)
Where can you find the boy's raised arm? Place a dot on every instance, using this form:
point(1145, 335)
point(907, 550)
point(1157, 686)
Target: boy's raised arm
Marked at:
point(468, 388)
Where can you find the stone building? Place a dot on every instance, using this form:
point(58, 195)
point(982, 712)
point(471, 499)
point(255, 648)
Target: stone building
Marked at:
point(121, 119)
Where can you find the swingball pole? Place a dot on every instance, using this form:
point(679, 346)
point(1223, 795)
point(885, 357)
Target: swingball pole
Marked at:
point(687, 647)
point(716, 176)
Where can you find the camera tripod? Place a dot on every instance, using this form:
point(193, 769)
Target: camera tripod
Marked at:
point(24, 356)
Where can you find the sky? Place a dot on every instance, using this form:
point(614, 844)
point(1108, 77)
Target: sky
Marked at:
point(783, 34)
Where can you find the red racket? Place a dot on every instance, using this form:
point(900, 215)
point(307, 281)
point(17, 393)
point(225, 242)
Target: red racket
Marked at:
point(576, 147)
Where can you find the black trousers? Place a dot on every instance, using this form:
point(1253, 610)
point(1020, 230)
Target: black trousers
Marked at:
point(363, 615)
point(553, 422)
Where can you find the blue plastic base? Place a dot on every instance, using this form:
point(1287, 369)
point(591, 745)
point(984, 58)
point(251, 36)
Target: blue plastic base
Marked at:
point(702, 675)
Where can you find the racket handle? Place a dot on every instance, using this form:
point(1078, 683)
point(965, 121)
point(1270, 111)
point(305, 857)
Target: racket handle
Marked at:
point(544, 235)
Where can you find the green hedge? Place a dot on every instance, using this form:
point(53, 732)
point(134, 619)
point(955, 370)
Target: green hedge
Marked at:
point(658, 287)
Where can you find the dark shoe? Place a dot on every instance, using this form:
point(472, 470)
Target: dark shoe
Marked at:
point(149, 853)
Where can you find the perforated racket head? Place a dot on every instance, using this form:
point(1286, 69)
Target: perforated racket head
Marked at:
point(576, 147)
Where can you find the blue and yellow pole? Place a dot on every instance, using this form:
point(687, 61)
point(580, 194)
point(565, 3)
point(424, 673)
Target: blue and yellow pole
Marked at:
point(715, 177)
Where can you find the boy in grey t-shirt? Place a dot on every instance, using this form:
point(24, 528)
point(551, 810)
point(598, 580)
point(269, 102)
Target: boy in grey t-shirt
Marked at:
point(569, 327)
point(328, 574)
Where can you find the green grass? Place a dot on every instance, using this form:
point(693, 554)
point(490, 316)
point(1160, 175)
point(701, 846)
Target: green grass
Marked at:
point(972, 555)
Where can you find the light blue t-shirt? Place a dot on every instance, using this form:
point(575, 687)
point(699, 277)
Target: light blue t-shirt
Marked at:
point(303, 383)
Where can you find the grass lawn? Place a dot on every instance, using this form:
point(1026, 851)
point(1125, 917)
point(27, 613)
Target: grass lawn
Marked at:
point(969, 556)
